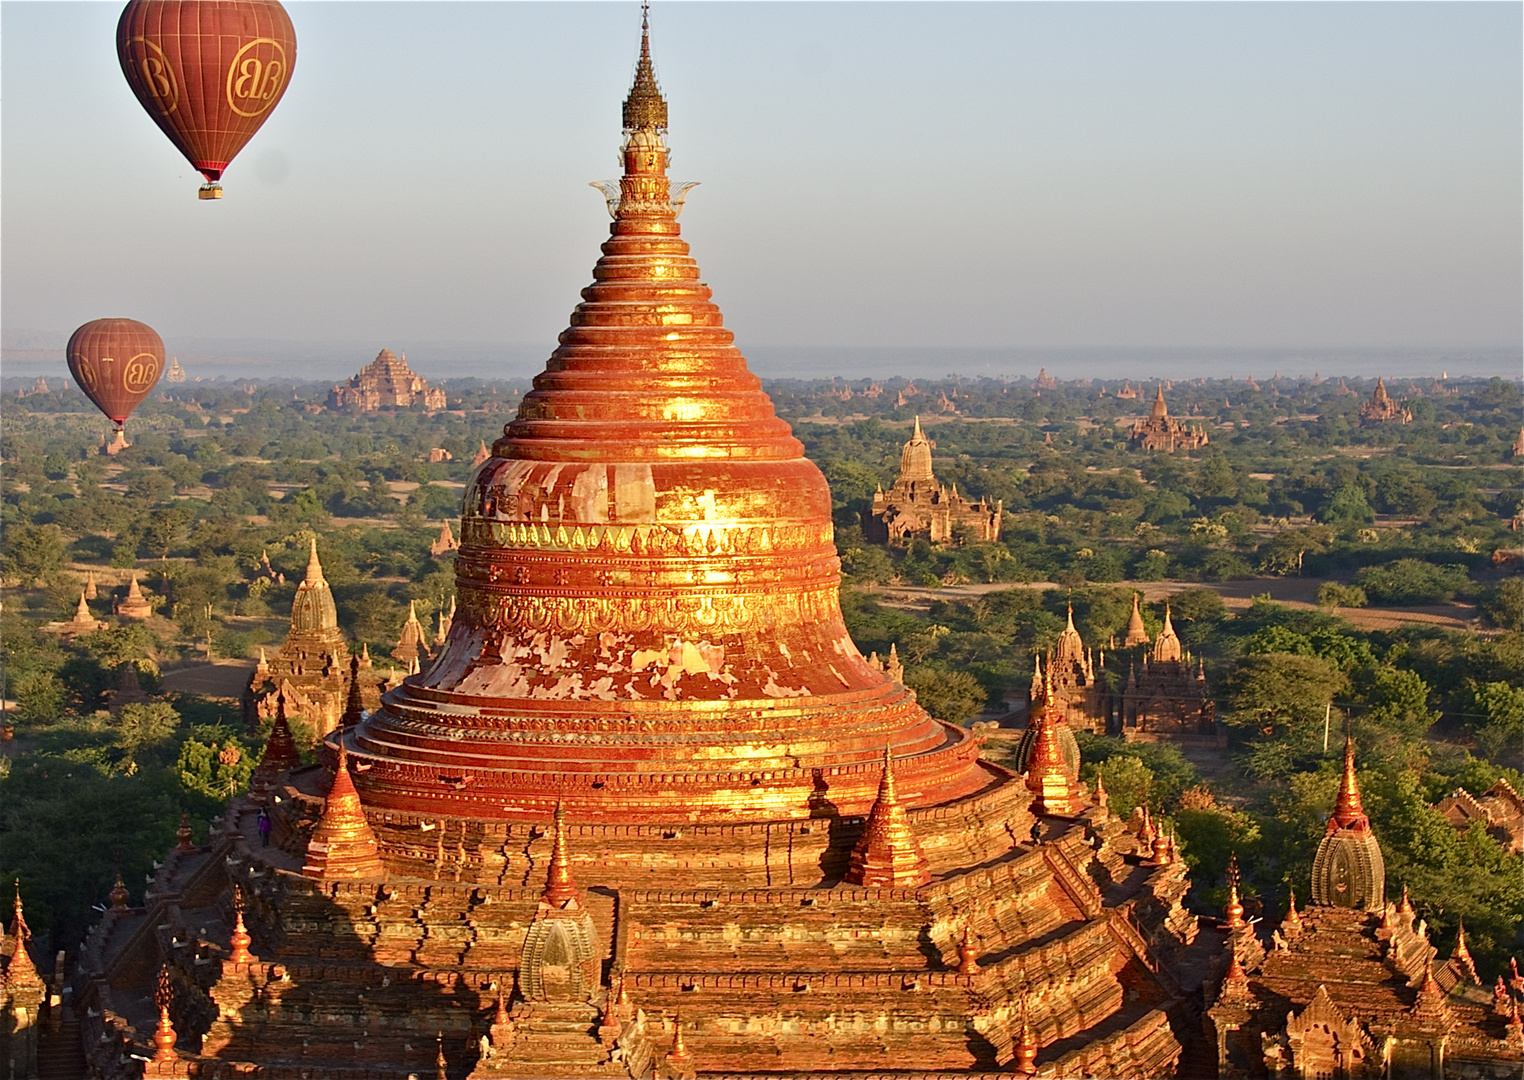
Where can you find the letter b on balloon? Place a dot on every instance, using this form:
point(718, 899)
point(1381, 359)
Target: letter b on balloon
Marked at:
point(256, 77)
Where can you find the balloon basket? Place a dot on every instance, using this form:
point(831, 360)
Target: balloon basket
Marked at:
point(210, 191)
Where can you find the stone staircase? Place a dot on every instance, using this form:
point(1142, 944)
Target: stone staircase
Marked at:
point(60, 1053)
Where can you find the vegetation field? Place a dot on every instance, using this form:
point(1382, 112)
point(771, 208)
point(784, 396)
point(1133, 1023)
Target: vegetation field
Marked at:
point(1362, 577)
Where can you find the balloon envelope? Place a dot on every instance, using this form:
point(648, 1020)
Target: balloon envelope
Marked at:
point(116, 363)
point(208, 71)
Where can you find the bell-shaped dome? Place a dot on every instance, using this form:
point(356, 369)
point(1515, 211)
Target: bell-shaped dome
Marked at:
point(649, 626)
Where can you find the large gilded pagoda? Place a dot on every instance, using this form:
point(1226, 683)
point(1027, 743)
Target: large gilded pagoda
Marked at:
point(648, 811)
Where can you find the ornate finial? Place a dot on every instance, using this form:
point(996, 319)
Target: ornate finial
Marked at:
point(119, 894)
point(441, 1066)
point(1293, 919)
point(678, 1058)
point(1234, 909)
point(968, 953)
point(1160, 848)
point(164, 1034)
point(645, 108)
point(1102, 800)
point(185, 835)
point(1349, 812)
point(1405, 905)
point(560, 889)
point(21, 969)
point(1026, 1044)
point(1054, 790)
point(239, 939)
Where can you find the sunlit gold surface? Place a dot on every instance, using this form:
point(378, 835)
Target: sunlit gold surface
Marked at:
point(648, 624)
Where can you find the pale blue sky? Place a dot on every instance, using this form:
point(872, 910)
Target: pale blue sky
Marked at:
point(1250, 175)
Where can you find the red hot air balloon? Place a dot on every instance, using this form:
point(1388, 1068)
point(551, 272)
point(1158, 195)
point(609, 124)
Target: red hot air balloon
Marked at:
point(116, 363)
point(208, 71)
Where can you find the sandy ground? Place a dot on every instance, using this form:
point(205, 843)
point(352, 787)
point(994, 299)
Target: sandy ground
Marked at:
point(1237, 595)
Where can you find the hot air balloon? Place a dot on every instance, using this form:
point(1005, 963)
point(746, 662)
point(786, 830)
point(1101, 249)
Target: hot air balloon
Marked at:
point(116, 363)
point(208, 71)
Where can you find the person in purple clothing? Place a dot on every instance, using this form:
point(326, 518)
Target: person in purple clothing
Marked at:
point(264, 823)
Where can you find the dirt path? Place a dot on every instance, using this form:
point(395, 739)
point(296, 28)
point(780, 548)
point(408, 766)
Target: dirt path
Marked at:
point(1300, 593)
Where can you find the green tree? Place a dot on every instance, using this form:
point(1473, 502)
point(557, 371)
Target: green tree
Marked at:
point(1347, 508)
point(1333, 595)
point(145, 726)
point(953, 697)
point(1504, 605)
point(1411, 581)
point(1271, 692)
point(33, 553)
point(1499, 721)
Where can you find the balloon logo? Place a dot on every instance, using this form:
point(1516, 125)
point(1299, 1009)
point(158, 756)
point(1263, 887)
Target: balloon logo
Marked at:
point(116, 363)
point(208, 72)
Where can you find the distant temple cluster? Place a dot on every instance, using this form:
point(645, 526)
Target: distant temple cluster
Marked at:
point(1161, 431)
point(1382, 409)
point(919, 506)
point(386, 383)
point(1163, 697)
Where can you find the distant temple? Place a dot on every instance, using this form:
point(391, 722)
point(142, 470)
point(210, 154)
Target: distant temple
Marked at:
point(134, 605)
point(1163, 432)
point(1164, 697)
point(385, 383)
point(1381, 409)
point(1127, 392)
point(175, 373)
point(445, 543)
point(1045, 381)
point(918, 505)
point(311, 670)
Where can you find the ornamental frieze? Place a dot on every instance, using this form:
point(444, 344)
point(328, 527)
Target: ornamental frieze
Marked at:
point(686, 615)
point(649, 540)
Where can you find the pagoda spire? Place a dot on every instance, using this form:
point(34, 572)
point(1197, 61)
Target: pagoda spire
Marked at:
point(280, 747)
point(1460, 957)
point(560, 889)
point(1137, 633)
point(1349, 811)
point(887, 854)
point(22, 972)
point(1054, 791)
point(645, 108)
point(1167, 645)
point(314, 568)
point(343, 844)
point(352, 705)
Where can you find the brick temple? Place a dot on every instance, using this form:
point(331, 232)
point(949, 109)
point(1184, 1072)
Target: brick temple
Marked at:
point(386, 383)
point(919, 505)
point(1161, 431)
point(648, 812)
